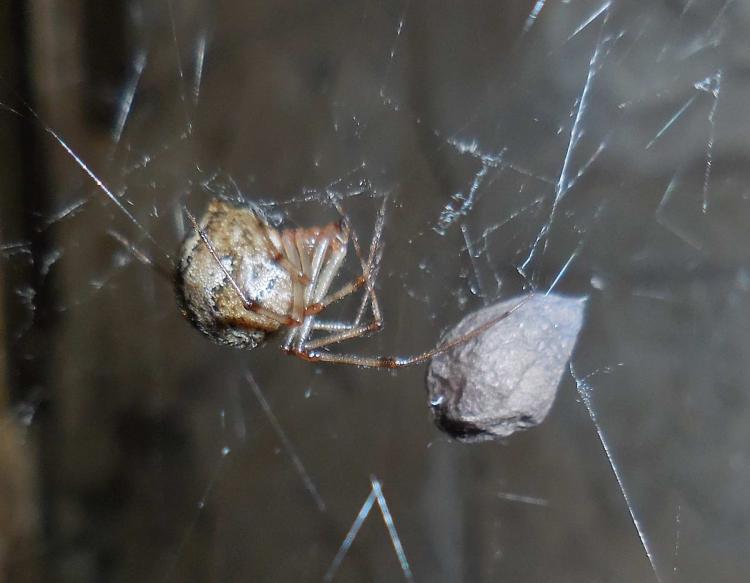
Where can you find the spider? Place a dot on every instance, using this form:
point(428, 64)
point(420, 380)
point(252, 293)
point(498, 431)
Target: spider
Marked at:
point(239, 280)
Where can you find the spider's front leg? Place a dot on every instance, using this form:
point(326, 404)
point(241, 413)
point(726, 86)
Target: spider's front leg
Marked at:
point(404, 361)
point(321, 299)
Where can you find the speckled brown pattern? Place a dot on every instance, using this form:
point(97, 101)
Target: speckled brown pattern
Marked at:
point(205, 293)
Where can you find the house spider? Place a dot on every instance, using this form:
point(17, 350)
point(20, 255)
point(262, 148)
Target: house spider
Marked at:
point(239, 279)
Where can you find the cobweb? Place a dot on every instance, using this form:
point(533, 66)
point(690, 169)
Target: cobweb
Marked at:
point(594, 148)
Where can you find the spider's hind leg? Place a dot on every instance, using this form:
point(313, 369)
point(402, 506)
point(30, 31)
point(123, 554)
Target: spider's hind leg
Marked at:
point(369, 267)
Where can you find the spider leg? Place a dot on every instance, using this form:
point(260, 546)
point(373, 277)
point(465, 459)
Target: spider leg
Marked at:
point(344, 331)
point(292, 254)
point(369, 268)
point(352, 359)
point(369, 271)
point(348, 289)
point(372, 275)
point(346, 334)
point(373, 263)
point(279, 255)
point(331, 326)
point(322, 272)
point(399, 361)
point(320, 260)
point(295, 248)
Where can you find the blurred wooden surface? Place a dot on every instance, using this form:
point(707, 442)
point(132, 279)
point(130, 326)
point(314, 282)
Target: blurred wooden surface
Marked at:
point(155, 460)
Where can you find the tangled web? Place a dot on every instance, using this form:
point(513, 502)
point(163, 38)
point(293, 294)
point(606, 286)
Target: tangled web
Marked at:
point(592, 148)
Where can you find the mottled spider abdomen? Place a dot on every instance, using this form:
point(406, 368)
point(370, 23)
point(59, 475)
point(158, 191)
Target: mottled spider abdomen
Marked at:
point(236, 253)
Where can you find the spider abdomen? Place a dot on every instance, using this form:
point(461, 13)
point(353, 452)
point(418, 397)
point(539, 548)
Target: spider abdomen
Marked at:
point(219, 282)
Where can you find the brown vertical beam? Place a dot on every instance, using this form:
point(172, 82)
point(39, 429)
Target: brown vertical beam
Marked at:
point(27, 349)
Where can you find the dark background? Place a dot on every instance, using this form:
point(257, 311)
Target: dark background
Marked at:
point(537, 134)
